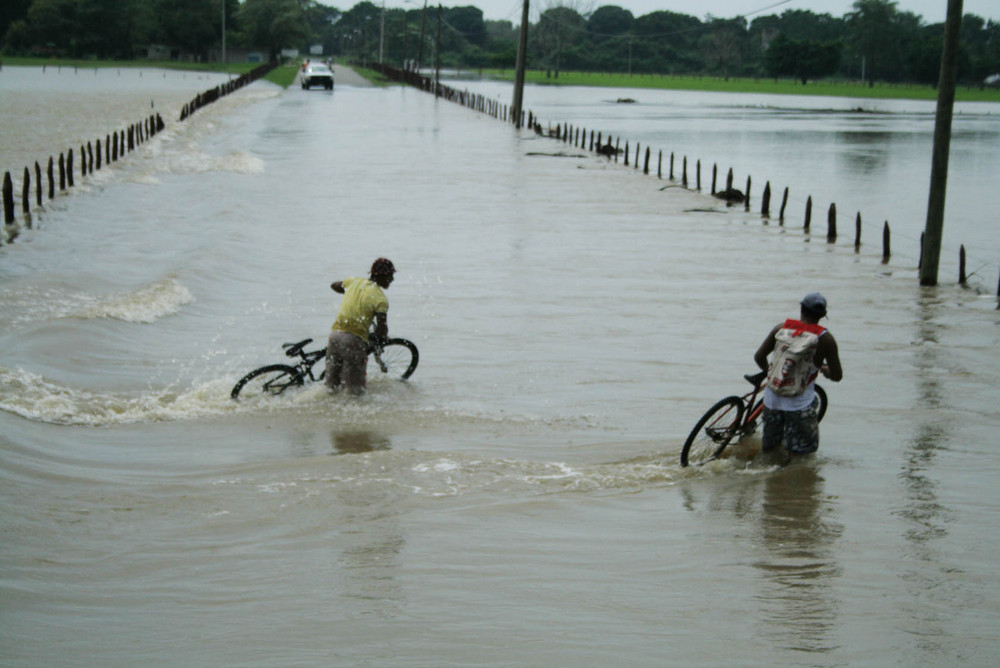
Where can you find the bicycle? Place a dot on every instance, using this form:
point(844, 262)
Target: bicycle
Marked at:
point(731, 418)
point(396, 358)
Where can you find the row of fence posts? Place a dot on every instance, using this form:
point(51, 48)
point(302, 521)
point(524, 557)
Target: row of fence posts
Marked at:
point(93, 156)
point(213, 94)
point(612, 150)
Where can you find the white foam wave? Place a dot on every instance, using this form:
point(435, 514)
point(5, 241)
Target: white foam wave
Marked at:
point(146, 305)
point(33, 397)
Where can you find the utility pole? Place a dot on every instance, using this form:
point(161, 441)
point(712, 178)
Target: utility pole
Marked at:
point(423, 24)
point(223, 32)
point(931, 251)
point(522, 56)
point(381, 34)
point(437, 54)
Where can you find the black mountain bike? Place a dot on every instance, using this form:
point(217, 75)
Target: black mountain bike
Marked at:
point(396, 358)
point(729, 420)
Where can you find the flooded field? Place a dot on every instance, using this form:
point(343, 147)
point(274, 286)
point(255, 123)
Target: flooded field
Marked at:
point(519, 501)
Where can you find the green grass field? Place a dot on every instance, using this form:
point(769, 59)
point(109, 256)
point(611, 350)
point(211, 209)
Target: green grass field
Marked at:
point(736, 85)
point(285, 76)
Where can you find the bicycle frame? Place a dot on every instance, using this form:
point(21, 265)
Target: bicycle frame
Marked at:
point(309, 359)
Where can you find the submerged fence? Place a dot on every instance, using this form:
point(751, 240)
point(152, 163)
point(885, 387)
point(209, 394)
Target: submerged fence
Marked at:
point(95, 155)
point(634, 156)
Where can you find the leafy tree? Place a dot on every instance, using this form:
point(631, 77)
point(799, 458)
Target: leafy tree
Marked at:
point(872, 33)
point(803, 59)
point(468, 22)
point(192, 25)
point(609, 21)
point(558, 28)
point(724, 43)
point(11, 11)
point(275, 24)
point(52, 25)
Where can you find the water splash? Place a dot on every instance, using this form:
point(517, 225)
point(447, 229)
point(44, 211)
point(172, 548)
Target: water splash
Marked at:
point(146, 305)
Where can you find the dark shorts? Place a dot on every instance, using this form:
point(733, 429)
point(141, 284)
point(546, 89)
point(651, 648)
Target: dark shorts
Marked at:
point(346, 362)
point(798, 430)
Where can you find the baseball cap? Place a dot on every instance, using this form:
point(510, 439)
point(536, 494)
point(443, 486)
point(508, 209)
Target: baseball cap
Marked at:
point(814, 302)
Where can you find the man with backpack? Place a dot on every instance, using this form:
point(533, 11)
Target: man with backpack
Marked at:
point(802, 349)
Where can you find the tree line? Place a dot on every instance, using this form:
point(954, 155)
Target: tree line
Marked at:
point(876, 41)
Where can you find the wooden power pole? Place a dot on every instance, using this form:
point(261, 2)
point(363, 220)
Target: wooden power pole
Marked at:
point(522, 57)
point(934, 227)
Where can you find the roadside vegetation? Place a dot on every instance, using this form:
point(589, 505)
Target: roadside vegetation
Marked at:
point(765, 86)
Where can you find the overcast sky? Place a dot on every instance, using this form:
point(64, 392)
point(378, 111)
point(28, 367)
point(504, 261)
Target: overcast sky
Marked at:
point(933, 11)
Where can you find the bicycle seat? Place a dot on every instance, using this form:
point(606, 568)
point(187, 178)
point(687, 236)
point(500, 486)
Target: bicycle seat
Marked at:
point(755, 379)
point(293, 349)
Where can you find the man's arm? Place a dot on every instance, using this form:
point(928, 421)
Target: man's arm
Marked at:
point(381, 325)
point(760, 357)
point(831, 356)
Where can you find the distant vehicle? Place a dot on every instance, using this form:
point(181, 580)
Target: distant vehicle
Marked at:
point(316, 75)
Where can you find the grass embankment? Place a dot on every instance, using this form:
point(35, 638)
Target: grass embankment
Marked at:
point(744, 85)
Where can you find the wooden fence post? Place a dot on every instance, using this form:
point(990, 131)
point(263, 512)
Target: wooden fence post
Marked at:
point(961, 265)
point(671, 165)
point(809, 213)
point(659, 165)
point(715, 173)
point(69, 168)
point(645, 164)
point(26, 194)
point(729, 181)
point(8, 199)
point(886, 251)
point(857, 232)
point(765, 206)
point(38, 184)
point(746, 200)
point(62, 172)
point(831, 223)
point(684, 172)
point(697, 171)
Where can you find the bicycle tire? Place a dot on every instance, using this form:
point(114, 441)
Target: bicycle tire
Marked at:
point(270, 380)
point(713, 432)
point(821, 409)
point(397, 358)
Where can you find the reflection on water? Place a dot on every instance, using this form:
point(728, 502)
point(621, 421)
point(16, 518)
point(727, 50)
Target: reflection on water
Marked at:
point(865, 152)
point(926, 576)
point(797, 606)
point(354, 442)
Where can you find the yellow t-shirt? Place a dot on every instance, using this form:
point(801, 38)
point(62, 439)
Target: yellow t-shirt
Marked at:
point(363, 298)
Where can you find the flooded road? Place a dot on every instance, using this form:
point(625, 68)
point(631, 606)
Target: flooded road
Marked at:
point(519, 501)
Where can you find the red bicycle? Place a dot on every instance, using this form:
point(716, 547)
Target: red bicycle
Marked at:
point(729, 420)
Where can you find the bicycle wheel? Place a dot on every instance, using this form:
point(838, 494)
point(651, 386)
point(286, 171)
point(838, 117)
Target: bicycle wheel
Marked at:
point(821, 410)
point(268, 380)
point(397, 358)
point(713, 432)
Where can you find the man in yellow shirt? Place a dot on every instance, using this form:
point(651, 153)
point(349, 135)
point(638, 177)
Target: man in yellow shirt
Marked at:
point(347, 349)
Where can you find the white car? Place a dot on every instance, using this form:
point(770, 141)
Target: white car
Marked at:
point(316, 75)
